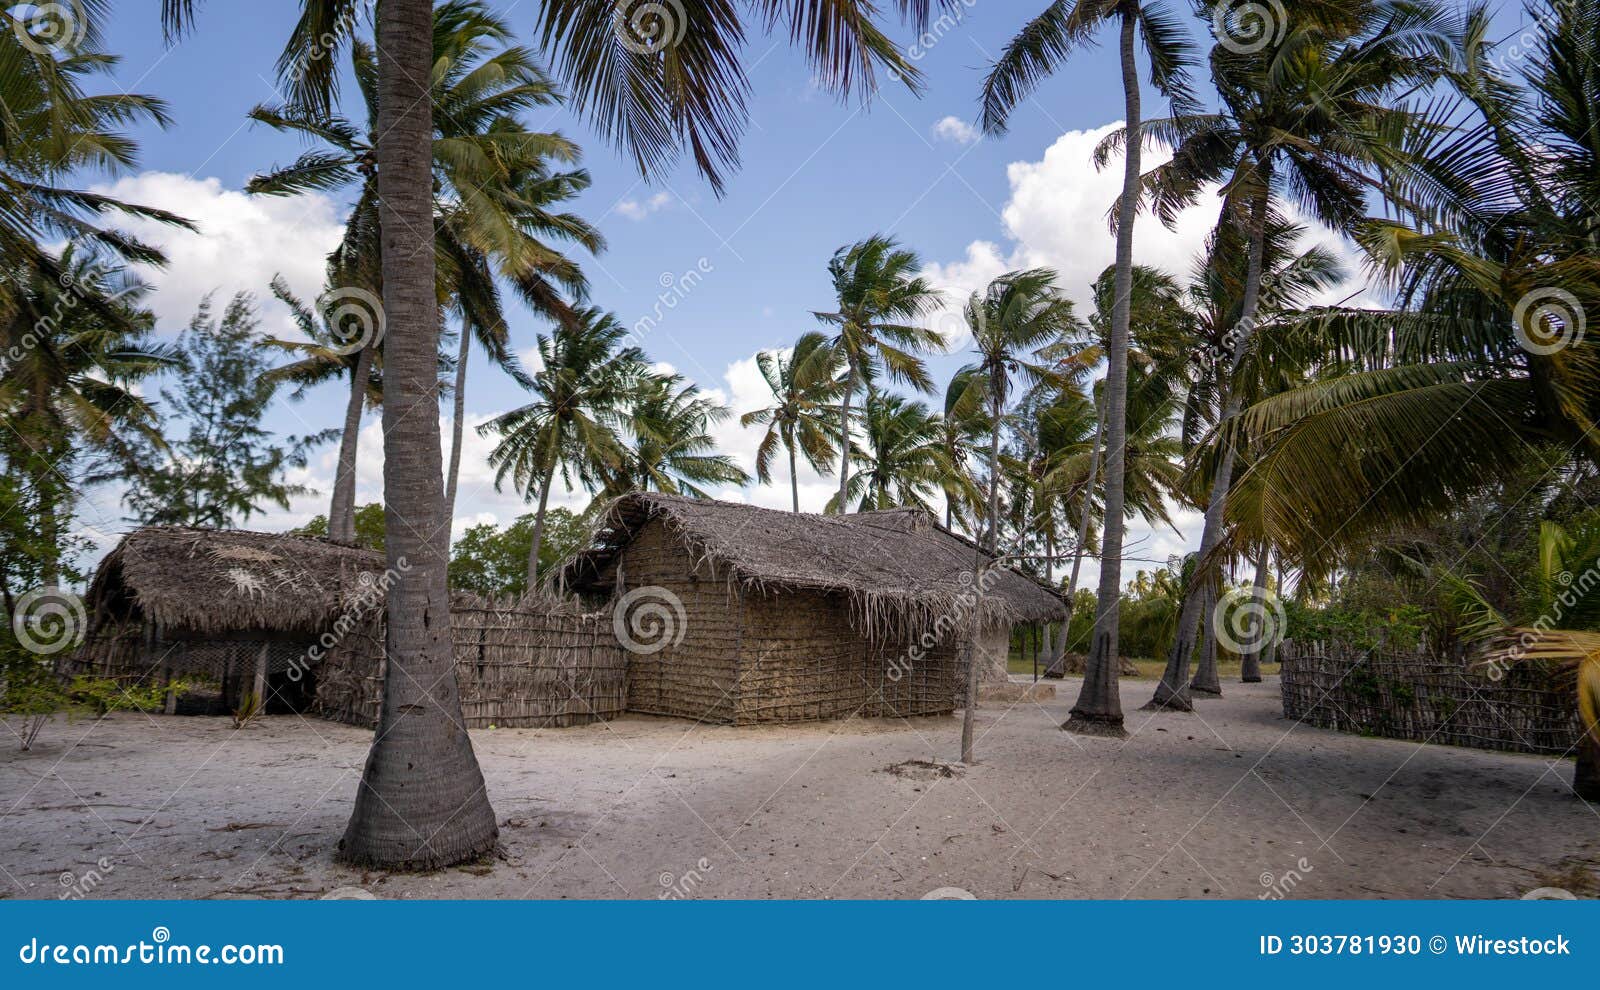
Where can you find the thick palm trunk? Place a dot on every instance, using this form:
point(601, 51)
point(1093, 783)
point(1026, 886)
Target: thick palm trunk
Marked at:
point(421, 804)
point(538, 516)
point(456, 428)
point(1099, 706)
point(1250, 663)
point(342, 511)
point(1586, 776)
point(1206, 680)
point(844, 433)
point(1173, 691)
point(1048, 635)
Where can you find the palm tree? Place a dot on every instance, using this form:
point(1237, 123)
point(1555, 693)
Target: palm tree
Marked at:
point(901, 460)
point(1039, 49)
point(806, 384)
point(51, 128)
point(1011, 321)
point(668, 445)
point(421, 803)
point(70, 382)
point(961, 428)
point(1314, 115)
point(583, 388)
point(545, 282)
point(878, 293)
point(492, 212)
point(324, 356)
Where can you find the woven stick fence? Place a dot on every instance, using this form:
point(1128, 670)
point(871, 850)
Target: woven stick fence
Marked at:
point(1408, 695)
point(533, 665)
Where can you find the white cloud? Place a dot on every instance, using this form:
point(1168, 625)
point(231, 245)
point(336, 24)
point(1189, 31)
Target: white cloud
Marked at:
point(241, 243)
point(635, 209)
point(1056, 217)
point(955, 129)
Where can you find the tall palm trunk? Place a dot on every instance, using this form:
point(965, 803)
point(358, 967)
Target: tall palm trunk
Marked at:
point(844, 432)
point(1250, 663)
point(997, 381)
point(455, 429)
point(544, 502)
point(1088, 509)
point(1173, 691)
point(421, 803)
point(1099, 706)
point(794, 477)
point(991, 543)
point(1206, 680)
point(342, 512)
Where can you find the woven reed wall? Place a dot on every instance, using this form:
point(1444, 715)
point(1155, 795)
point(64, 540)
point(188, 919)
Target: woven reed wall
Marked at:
point(1405, 695)
point(752, 656)
point(694, 672)
point(531, 667)
point(802, 661)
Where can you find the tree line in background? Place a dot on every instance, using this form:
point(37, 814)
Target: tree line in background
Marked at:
point(1352, 449)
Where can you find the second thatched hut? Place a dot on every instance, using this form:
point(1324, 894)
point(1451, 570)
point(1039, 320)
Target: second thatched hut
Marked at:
point(738, 614)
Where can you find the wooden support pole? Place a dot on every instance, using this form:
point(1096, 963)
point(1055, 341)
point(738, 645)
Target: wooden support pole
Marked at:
point(261, 678)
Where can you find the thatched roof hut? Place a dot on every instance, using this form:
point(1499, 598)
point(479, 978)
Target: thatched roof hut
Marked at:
point(899, 568)
point(234, 608)
point(777, 616)
point(202, 583)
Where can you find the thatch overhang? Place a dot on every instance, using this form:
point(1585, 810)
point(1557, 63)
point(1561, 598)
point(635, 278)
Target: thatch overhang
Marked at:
point(901, 570)
point(207, 583)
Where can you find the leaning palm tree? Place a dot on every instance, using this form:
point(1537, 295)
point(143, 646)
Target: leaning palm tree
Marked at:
point(1037, 51)
point(900, 460)
point(1316, 114)
point(679, 86)
point(805, 385)
point(586, 380)
point(668, 447)
point(879, 294)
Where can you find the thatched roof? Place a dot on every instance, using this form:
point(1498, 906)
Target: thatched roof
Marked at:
point(900, 568)
point(207, 582)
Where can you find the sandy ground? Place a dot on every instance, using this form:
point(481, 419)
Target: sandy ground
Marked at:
point(1232, 802)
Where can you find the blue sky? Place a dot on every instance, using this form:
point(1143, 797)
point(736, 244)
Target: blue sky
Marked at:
point(816, 174)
